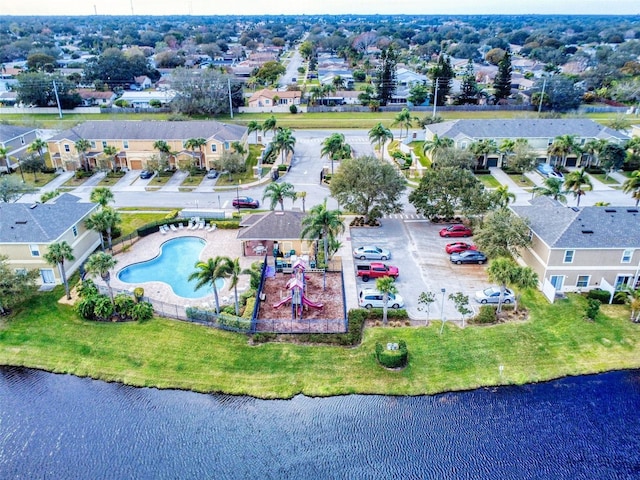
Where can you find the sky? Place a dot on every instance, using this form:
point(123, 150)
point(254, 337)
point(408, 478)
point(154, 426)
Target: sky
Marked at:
point(313, 7)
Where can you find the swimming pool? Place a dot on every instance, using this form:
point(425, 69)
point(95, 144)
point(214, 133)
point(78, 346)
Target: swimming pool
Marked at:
point(173, 265)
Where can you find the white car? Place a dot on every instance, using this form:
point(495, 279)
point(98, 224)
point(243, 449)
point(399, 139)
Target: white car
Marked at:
point(492, 295)
point(372, 298)
point(371, 253)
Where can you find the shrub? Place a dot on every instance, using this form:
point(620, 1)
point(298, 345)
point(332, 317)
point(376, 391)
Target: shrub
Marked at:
point(103, 308)
point(87, 289)
point(248, 309)
point(392, 358)
point(593, 307)
point(486, 315)
point(142, 311)
point(86, 306)
point(600, 295)
point(202, 315)
point(264, 337)
point(234, 323)
point(171, 215)
point(282, 168)
point(49, 195)
point(293, 109)
point(124, 305)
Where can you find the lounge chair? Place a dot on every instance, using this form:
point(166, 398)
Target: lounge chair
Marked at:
point(191, 226)
point(201, 225)
point(162, 230)
point(180, 226)
point(173, 228)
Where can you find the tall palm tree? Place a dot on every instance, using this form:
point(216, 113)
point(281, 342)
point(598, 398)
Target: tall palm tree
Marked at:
point(553, 187)
point(56, 255)
point(302, 196)
point(101, 263)
point(562, 146)
point(254, 126)
point(103, 222)
point(193, 143)
point(101, 195)
point(502, 270)
point(270, 125)
point(234, 276)
point(632, 185)
point(506, 148)
point(503, 196)
point(38, 146)
point(483, 147)
point(165, 152)
point(277, 192)
point(322, 223)
point(82, 146)
point(386, 286)
point(404, 119)
point(578, 182)
point(284, 142)
point(110, 152)
point(380, 134)
point(594, 148)
point(208, 272)
point(437, 146)
point(335, 147)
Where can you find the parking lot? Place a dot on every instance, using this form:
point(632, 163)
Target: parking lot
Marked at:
point(418, 251)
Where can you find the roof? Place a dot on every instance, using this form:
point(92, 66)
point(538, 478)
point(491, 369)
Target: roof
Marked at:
point(265, 92)
point(41, 222)
point(586, 227)
point(9, 132)
point(88, 93)
point(274, 225)
point(524, 128)
point(152, 130)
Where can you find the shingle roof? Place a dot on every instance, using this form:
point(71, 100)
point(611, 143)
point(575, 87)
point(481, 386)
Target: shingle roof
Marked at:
point(524, 128)
point(586, 227)
point(152, 130)
point(9, 132)
point(275, 225)
point(44, 223)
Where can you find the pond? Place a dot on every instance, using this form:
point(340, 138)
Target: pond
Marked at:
point(59, 426)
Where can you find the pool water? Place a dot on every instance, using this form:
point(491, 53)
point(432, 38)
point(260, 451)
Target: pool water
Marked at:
point(172, 266)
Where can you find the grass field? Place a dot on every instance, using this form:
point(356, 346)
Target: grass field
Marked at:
point(556, 341)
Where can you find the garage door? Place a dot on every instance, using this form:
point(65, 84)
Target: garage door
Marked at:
point(135, 164)
point(492, 162)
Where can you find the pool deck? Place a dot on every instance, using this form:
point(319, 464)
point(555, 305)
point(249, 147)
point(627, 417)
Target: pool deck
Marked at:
point(219, 243)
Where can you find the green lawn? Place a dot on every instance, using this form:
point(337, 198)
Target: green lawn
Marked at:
point(488, 180)
point(522, 180)
point(162, 353)
point(132, 220)
point(606, 181)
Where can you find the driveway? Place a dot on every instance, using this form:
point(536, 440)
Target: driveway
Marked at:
point(418, 251)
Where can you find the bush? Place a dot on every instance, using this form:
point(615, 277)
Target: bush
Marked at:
point(248, 309)
point(601, 295)
point(485, 316)
point(392, 358)
point(282, 168)
point(86, 306)
point(201, 315)
point(234, 323)
point(171, 215)
point(293, 109)
point(593, 307)
point(124, 305)
point(142, 311)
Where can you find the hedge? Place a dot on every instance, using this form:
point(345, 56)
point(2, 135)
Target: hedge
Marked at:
point(233, 322)
point(392, 358)
point(486, 315)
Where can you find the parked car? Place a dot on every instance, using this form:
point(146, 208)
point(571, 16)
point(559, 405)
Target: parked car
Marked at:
point(492, 295)
point(245, 202)
point(213, 173)
point(468, 256)
point(376, 270)
point(548, 171)
point(372, 298)
point(371, 253)
point(457, 247)
point(457, 230)
point(145, 174)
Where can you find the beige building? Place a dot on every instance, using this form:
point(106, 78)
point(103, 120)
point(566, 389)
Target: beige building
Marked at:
point(271, 98)
point(260, 233)
point(26, 231)
point(134, 142)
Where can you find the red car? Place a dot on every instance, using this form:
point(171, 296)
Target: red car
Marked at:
point(457, 247)
point(457, 230)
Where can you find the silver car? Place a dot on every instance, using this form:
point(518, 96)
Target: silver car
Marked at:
point(492, 295)
point(371, 253)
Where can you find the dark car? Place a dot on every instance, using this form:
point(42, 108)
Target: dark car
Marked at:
point(145, 174)
point(468, 256)
point(457, 247)
point(245, 202)
point(457, 230)
point(213, 173)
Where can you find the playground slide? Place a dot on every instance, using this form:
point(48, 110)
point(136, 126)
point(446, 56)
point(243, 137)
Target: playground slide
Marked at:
point(311, 304)
point(282, 302)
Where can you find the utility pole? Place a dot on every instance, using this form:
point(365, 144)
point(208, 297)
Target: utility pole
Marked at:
point(230, 102)
point(544, 84)
point(55, 91)
point(435, 98)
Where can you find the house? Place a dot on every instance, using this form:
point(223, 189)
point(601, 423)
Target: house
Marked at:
point(270, 98)
point(144, 99)
point(15, 140)
point(134, 142)
point(578, 249)
point(262, 232)
point(540, 133)
point(26, 231)
point(408, 78)
point(92, 98)
point(142, 82)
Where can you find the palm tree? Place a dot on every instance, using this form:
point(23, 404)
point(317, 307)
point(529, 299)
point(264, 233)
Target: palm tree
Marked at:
point(630, 297)
point(3, 155)
point(632, 185)
point(270, 125)
point(284, 142)
point(254, 126)
point(380, 134)
point(507, 147)
point(578, 182)
point(503, 196)
point(483, 147)
point(110, 152)
point(82, 146)
point(238, 147)
point(38, 146)
point(386, 286)
point(277, 192)
point(165, 152)
point(501, 270)
point(101, 195)
point(101, 263)
point(552, 188)
point(302, 196)
point(234, 276)
point(524, 279)
point(198, 143)
point(404, 119)
point(562, 146)
point(104, 221)
point(208, 272)
point(436, 146)
point(336, 148)
point(322, 223)
point(96, 221)
point(56, 255)
point(594, 148)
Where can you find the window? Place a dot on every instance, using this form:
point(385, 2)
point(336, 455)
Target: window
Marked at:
point(226, 145)
point(66, 147)
point(74, 229)
point(626, 256)
point(550, 141)
point(583, 281)
point(214, 148)
point(463, 145)
point(93, 144)
point(104, 144)
point(21, 271)
point(47, 275)
point(557, 281)
point(125, 143)
point(568, 256)
point(35, 250)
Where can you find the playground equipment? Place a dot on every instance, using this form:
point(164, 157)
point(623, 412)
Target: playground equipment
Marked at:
point(297, 286)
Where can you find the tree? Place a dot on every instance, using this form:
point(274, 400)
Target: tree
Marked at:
point(101, 195)
point(234, 272)
point(101, 263)
point(503, 234)
point(82, 146)
point(593, 148)
point(208, 272)
point(461, 301)
point(380, 134)
point(269, 72)
point(404, 119)
point(270, 125)
point(418, 94)
point(506, 272)
point(4, 151)
point(38, 146)
point(110, 152)
point(426, 299)
point(578, 182)
point(15, 286)
point(284, 142)
point(502, 196)
point(483, 147)
point(612, 157)
point(204, 92)
point(469, 89)
point(386, 286)
point(561, 95)
point(524, 158)
point(552, 187)
point(632, 185)
point(336, 148)
point(562, 147)
point(442, 76)
point(104, 221)
point(436, 146)
point(56, 255)
point(254, 126)
point(302, 196)
point(630, 297)
point(32, 164)
point(36, 88)
point(386, 76)
point(165, 152)
point(193, 143)
point(12, 188)
point(524, 279)
point(118, 69)
point(369, 187)
point(502, 80)
point(277, 192)
point(324, 224)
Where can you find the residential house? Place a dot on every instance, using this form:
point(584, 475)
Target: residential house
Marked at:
point(540, 133)
point(91, 98)
point(26, 231)
point(15, 140)
point(270, 98)
point(577, 249)
point(134, 142)
point(142, 82)
point(408, 78)
point(144, 99)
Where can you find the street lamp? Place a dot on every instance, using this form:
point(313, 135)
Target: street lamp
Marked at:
point(238, 196)
point(444, 291)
